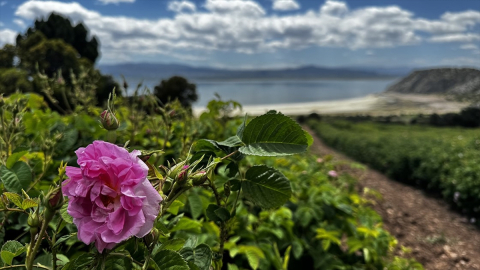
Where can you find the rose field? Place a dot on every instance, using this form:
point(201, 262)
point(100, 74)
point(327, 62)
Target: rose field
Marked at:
point(143, 186)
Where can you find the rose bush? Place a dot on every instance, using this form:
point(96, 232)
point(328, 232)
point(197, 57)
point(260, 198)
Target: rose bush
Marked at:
point(110, 197)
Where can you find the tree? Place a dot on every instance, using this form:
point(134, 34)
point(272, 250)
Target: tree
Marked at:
point(59, 27)
point(176, 88)
point(13, 79)
point(7, 55)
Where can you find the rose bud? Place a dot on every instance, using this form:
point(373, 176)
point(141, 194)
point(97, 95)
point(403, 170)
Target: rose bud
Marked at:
point(183, 174)
point(108, 120)
point(199, 178)
point(53, 202)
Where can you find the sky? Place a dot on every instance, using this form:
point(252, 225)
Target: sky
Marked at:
point(252, 34)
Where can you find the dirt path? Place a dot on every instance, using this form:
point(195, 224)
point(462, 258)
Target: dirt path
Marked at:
point(438, 237)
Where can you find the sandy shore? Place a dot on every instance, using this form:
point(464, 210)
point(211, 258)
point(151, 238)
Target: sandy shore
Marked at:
point(379, 104)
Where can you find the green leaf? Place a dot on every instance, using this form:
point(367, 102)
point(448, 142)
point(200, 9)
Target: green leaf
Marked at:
point(273, 134)
point(16, 155)
point(241, 128)
point(217, 213)
point(64, 213)
point(231, 169)
point(233, 141)
point(169, 260)
point(309, 138)
point(187, 224)
point(222, 213)
point(266, 187)
point(16, 178)
point(63, 239)
point(80, 263)
point(173, 244)
point(28, 203)
point(195, 203)
point(10, 250)
point(253, 253)
point(201, 256)
point(175, 207)
point(117, 263)
point(14, 198)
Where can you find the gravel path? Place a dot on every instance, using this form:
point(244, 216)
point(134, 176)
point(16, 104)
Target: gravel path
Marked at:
point(438, 237)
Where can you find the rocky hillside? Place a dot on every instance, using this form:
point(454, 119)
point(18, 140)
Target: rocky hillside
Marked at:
point(439, 81)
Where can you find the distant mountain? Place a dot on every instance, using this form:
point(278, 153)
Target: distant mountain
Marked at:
point(439, 81)
point(149, 71)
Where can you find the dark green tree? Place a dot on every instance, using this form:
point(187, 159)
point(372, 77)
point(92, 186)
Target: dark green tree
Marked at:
point(59, 27)
point(7, 55)
point(176, 88)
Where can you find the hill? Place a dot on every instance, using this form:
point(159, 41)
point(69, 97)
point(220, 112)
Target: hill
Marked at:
point(455, 81)
point(161, 71)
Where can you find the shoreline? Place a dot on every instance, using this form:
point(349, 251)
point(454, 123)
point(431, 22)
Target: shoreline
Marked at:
point(374, 104)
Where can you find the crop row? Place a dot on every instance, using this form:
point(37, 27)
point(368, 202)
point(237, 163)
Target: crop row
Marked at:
point(442, 160)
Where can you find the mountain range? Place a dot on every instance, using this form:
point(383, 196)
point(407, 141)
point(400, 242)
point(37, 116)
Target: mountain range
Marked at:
point(154, 71)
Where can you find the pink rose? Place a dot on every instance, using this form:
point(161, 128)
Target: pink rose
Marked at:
point(110, 196)
point(333, 173)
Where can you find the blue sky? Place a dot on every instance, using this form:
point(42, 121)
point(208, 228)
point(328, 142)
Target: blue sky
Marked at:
point(269, 33)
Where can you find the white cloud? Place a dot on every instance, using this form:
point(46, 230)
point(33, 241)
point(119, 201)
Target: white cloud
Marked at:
point(369, 52)
point(285, 5)
point(244, 26)
point(469, 46)
point(19, 22)
point(179, 6)
point(3, 3)
point(7, 36)
point(106, 2)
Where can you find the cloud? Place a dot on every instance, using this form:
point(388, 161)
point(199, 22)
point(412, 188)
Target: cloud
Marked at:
point(3, 3)
point(284, 5)
point(106, 2)
point(7, 36)
point(179, 6)
point(469, 46)
point(19, 22)
point(243, 26)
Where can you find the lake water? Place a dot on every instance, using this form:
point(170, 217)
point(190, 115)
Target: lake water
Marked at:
point(253, 92)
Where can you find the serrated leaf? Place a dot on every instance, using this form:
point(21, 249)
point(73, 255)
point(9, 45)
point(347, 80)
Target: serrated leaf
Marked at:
point(196, 205)
point(63, 239)
point(253, 253)
point(200, 256)
point(65, 216)
point(175, 207)
point(10, 250)
point(15, 156)
point(233, 141)
point(14, 198)
point(169, 260)
point(231, 169)
point(222, 213)
point(241, 128)
point(187, 224)
point(80, 263)
point(173, 244)
point(273, 134)
point(203, 256)
point(28, 203)
point(117, 263)
point(17, 178)
point(266, 187)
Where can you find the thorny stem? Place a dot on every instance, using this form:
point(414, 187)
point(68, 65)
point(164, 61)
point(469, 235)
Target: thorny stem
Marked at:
point(32, 253)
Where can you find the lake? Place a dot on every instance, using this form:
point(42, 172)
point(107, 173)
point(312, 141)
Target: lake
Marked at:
point(254, 92)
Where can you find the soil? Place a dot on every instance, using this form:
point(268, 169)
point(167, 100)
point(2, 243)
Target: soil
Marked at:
point(438, 237)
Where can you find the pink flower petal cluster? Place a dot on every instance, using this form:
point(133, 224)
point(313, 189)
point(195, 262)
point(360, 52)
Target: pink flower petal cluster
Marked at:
point(110, 196)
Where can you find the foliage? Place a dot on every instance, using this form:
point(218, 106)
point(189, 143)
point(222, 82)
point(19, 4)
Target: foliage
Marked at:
point(59, 27)
point(13, 80)
point(215, 212)
point(443, 160)
point(176, 88)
